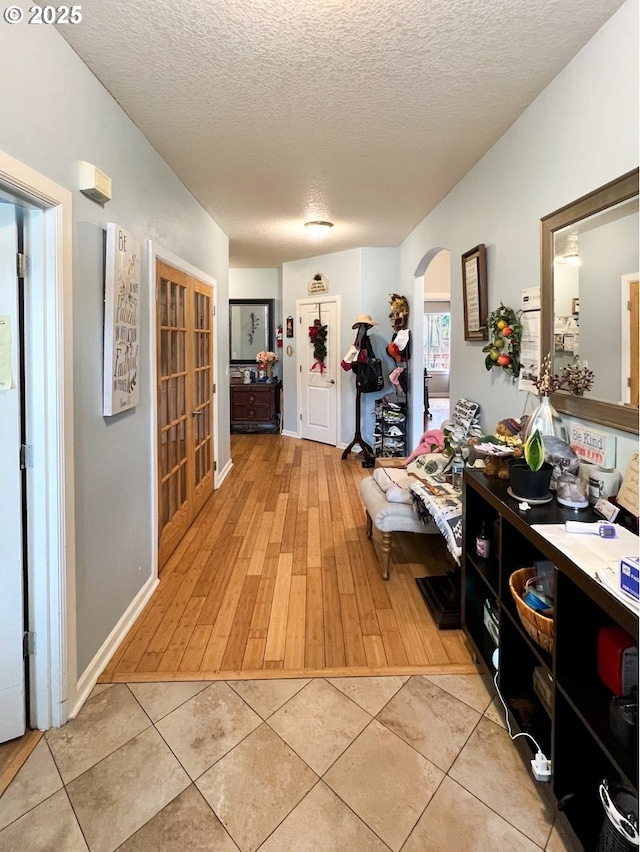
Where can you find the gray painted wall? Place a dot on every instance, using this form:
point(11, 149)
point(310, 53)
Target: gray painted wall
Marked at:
point(260, 284)
point(363, 278)
point(54, 113)
point(580, 133)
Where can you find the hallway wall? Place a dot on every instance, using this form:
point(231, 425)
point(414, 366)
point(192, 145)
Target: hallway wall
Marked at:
point(55, 113)
point(260, 284)
point(580, 133)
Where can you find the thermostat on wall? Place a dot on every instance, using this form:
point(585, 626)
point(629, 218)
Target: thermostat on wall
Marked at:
point(94, 183)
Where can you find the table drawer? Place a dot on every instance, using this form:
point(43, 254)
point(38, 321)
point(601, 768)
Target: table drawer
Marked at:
point(250, 411)
point(252, 397)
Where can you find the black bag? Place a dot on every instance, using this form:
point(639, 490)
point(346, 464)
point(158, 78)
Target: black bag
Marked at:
point(369, 375)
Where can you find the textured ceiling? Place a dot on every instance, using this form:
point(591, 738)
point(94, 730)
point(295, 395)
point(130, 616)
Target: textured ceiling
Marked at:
point(362, 112)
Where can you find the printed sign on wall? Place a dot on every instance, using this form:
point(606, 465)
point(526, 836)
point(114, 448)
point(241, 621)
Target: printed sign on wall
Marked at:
point(121, 321)
point(318, 285)
point(591, 445)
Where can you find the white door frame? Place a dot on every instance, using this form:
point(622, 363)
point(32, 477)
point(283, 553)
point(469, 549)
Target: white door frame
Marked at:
point(625, 336)
point(157, 252)
point(50, 490)
point(315, 301)
point(416, 383)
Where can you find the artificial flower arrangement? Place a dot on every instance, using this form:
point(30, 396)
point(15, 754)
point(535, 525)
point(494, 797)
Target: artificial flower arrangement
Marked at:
point(547, 382)
point(577, 378)
point(318, 338)
point(266, 360)
point(266, 357)
point(505, 336)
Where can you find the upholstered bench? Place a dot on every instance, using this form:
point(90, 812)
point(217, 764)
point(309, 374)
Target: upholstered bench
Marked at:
point(389, 516)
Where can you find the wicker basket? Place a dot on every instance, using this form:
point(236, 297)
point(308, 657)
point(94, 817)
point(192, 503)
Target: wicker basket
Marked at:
point(538, 626)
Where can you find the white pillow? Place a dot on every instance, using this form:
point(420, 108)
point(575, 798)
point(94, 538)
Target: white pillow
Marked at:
point(396, 494)
point(394, 482)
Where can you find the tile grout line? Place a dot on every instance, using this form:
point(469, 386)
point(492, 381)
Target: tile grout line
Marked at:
point(291, 749)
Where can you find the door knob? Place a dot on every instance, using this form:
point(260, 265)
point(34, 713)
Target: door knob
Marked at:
point(332, 381)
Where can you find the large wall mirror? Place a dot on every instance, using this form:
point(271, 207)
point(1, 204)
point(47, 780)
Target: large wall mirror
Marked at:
point(590, 300)
point(250, 329)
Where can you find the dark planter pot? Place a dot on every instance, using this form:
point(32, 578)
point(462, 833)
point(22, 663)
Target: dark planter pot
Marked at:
point(529, 484)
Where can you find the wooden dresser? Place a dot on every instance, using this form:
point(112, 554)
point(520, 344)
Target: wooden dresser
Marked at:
point(255, 407)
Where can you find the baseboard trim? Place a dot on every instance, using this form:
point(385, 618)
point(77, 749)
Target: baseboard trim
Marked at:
point(281, 674)
point(222, 475)
point(288, 434)
point(111, 644)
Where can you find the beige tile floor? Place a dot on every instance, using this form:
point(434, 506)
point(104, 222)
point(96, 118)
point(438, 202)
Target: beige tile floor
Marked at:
point(357, 764)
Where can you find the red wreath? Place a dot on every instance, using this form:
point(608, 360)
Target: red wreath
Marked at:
point(318, 337)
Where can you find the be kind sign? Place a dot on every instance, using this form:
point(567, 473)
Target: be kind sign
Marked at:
point(591, 445)
point(121, 321)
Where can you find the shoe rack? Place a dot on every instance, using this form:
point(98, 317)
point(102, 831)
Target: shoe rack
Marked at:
point(390, 430)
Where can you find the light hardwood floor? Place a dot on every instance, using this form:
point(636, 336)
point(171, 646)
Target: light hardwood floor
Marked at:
point(13, 755)
point(276, 578)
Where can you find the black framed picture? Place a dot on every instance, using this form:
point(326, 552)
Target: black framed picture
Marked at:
point(474, 293)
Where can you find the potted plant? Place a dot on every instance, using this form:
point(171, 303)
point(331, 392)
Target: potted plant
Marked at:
point(531, 474)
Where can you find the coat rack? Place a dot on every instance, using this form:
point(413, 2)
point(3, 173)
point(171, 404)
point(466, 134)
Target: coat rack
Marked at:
point(367, 450)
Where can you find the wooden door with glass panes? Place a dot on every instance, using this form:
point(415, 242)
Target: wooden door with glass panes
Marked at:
point(184, 321)
point(202, 399)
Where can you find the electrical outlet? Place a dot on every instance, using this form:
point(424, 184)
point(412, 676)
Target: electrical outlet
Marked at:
point(541, 767)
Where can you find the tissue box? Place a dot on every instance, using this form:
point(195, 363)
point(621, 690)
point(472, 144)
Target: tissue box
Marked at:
point(629, 571)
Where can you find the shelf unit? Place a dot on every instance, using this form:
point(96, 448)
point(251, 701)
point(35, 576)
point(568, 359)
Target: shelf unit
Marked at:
point(574, 729)
point(391, 419)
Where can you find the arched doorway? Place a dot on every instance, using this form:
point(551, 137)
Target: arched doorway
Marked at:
point(432, 284)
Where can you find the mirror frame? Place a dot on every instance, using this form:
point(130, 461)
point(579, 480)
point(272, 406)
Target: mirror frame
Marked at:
point(619, 190)
point(268, 303)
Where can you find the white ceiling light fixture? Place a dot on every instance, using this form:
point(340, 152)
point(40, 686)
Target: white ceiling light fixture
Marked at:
point(567, 249)
point(318, 230)
point(569, 259)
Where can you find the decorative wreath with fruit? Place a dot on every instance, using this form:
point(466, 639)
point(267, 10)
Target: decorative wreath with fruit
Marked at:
point(505, 338)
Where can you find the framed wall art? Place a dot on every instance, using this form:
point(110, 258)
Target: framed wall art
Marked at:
point(474, 293)
point(121, 321)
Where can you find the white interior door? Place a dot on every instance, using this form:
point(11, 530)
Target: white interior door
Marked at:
point(318, 387)
point(12, 672)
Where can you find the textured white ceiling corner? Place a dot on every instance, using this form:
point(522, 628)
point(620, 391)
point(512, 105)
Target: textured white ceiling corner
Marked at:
point(362, 112)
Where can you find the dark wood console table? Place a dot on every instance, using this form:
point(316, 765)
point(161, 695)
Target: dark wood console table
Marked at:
point(255, 407)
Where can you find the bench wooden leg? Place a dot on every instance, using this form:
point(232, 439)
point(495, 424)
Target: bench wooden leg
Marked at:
point(386, 552)
point(369, 526)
